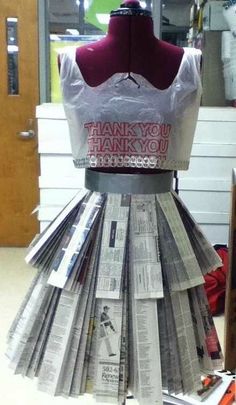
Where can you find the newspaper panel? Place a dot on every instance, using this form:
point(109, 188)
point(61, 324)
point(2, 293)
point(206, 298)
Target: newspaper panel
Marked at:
point(68, 372)
point(109, 314)
point(190, 369)
point(77, 241)
point(89, 372)
point(206, 255)
point(113, 246)
point(124, 349)
point(144, 249)
point(164, 345)
point(37, 356)
point(41, 242)
point(23, 306)
point(146, 379)
point(146, 332)
point(34, 330)
point(189, 269)
point(33, 311)
point(208, 347)
point(73, 377)
point(58, 343)
point(170, 356)
point(174, 272)
point(76, 383)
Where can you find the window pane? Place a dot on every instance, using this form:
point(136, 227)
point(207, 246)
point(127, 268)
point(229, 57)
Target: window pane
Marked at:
point(76, 22)
point(12, 55)
point(175, 21)
point(201, 24)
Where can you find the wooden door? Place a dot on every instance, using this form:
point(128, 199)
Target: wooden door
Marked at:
point(19, 95)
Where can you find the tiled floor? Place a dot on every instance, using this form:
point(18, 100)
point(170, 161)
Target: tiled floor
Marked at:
point(15, 279)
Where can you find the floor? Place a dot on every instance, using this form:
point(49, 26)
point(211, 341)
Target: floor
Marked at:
point(16, 276)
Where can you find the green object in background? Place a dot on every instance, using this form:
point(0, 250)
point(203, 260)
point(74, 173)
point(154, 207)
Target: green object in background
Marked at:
point(100, 7)
point(57, 43)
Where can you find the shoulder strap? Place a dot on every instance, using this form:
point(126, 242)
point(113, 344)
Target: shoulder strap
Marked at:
point(69, 70)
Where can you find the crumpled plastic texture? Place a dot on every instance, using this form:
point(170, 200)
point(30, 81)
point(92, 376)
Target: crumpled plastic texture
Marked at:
point(120, 124)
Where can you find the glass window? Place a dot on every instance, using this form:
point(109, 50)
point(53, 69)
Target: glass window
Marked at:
point(75, 22)
point(175, 21)
point(197, 23)
point(12, 55)
point(201, 24)
point(83, 17)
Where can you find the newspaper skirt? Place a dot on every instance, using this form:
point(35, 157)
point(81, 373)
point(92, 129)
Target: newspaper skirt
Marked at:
point(118, 304)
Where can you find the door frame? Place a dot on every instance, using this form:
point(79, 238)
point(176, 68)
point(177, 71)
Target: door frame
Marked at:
point(44, 52)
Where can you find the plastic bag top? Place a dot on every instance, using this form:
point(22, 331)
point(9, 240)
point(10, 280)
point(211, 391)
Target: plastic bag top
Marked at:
point(118, 124)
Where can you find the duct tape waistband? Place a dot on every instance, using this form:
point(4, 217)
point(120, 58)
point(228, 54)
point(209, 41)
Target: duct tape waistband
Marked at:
point(124, 183)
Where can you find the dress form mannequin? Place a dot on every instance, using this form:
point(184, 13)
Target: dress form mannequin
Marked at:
point(124, 242)
point(130, 46)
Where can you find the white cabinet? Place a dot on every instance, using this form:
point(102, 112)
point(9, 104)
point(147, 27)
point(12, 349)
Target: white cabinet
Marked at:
point(59, 180)
point(205, 187)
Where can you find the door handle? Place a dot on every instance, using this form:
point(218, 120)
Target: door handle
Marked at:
point(27, 134)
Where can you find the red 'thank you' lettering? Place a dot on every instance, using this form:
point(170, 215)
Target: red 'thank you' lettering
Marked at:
point(128, 138)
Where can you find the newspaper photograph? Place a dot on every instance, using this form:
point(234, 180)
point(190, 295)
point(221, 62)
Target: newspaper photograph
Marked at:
point(109, 322)
point(89, 369)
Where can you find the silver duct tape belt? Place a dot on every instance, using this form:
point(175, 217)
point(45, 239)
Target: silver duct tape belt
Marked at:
point(128, 183)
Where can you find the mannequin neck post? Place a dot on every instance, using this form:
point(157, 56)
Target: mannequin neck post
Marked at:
point(136, 28)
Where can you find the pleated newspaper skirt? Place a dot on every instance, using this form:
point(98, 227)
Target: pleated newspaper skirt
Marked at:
point(118, 304)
